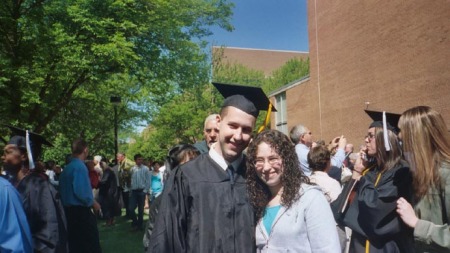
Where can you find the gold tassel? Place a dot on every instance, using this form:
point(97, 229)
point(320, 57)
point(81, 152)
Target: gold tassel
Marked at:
point(266, 120)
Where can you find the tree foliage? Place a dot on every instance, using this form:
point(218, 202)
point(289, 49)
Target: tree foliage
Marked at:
point(178, 121)
point(60, 61)
point(292, 70)
point(181, 119)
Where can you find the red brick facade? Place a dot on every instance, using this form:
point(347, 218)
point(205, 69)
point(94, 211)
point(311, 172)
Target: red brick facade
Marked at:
point(392, 54)
point(257, 59)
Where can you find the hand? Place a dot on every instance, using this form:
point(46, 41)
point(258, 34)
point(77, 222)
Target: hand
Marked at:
point(356, 175)
point(406, 212)
point(96, 206)
point(342, 142)
point(360, 164)
point(334, 143)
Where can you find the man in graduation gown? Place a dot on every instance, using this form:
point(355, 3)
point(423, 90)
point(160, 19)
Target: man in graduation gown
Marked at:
point(205, 207)
point(42, 205)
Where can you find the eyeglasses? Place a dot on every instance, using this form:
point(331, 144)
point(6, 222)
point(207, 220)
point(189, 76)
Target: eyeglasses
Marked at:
point(370, 136)
point(273, 161)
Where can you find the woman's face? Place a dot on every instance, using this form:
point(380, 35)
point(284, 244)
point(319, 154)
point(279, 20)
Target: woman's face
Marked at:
point(269, 165)
point(371, 145)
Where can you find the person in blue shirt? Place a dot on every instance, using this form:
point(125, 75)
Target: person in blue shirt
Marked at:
point(140, 186)
point(156, 181)
point(16, 235)
point(302, 138)
point(77, 198)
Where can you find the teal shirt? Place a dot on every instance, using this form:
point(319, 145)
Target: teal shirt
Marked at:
point(156, 184)
point(269, 217)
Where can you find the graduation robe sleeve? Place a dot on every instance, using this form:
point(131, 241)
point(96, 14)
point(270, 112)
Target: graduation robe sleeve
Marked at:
point(373, 213)
point(45, 214)
point(168, 233)
point(202, 211)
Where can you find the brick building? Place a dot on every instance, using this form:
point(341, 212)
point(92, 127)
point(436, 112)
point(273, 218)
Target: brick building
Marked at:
point(257, 59)
point(384, 55)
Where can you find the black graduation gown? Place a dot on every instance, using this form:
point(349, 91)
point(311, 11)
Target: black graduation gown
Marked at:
point(372, 214)
point(109, 194)
point(152, 215)
point(45, 214)
point(202, 211)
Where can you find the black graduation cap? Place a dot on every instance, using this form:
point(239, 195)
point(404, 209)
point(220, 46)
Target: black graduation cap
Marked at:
point(18, 137)
point(391, 120)
point(249, 99)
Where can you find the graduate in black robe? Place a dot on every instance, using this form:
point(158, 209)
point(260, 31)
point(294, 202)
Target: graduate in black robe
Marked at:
point(372, 214)
point(109, 195)
point(177, 155)
point(45, 213)
point(210, 212)
point(383, 179)
point(41, 201)
point(205, 206)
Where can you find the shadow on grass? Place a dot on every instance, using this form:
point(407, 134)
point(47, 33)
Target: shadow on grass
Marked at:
point(120, 238)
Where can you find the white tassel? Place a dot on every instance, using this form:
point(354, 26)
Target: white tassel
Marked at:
point(387, 144)
point(30, 155)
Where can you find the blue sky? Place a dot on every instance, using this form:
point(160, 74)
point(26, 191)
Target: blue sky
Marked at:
point(266, 24)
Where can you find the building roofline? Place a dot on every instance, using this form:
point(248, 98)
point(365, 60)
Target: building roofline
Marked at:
point(289, 85)
point(257, 49)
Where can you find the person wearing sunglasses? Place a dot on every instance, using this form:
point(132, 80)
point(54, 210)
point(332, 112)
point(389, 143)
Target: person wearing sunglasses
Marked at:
point(382, 178)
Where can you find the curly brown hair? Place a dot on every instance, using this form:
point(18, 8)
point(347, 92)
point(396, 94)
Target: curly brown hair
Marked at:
point(292, 176)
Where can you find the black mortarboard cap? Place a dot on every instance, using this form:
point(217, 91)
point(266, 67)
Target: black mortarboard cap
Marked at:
point(18, 137)
point(249, 99)
point(391, 120)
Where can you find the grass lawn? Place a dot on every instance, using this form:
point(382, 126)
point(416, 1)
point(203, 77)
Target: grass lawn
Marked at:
point(120, 238)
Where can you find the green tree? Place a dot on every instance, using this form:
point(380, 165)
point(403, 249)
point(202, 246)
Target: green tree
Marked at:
point(238, 74)
point(61, 60)
point(292, 70)
point(178, 121)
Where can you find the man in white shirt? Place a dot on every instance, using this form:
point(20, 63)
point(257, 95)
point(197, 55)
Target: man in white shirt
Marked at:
point(140, 187)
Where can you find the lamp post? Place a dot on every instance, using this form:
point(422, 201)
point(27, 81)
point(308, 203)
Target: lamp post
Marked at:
point(115, 100)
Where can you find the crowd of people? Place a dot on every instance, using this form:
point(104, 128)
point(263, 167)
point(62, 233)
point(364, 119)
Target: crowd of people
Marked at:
point(236, 191)
point(47, 208)
point(274, 193)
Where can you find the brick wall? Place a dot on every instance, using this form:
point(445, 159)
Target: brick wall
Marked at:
point(393, 54)
point(258, 59)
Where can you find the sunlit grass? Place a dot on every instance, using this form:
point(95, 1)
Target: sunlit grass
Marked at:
point(120, 238)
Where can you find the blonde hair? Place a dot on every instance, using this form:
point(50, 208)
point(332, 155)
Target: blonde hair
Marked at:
point(426, 137)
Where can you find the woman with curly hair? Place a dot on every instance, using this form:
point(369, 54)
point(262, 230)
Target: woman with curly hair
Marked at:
point(426, 142)
point(292, 215)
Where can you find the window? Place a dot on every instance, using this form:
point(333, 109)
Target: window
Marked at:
point(280, 116)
